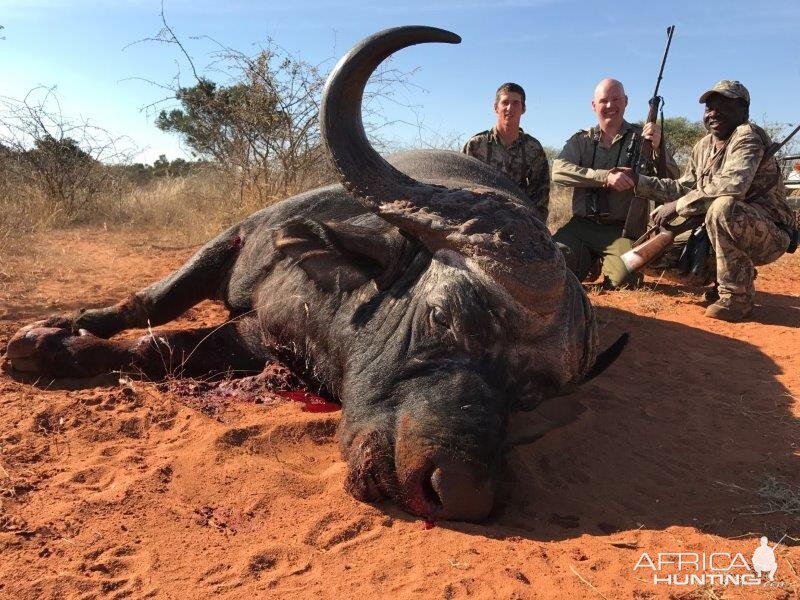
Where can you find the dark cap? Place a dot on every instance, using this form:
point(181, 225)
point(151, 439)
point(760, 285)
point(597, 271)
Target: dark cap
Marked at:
point(730, 88)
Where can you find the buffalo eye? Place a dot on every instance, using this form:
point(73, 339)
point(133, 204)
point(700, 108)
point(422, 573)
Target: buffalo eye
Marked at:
point(437, 317)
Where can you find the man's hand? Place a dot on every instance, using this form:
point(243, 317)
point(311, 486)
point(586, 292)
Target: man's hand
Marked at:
point(664, 213)
point(652, 132)
point(618, 180)
point(629, 172)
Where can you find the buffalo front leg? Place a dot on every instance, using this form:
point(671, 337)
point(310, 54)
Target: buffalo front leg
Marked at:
point(200, 278)
point(56, 352)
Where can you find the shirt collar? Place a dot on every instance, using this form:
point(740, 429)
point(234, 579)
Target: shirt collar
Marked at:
point(594, 131)
point(496, 136)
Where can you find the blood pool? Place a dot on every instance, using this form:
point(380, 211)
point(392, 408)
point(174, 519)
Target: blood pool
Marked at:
point(311, 402)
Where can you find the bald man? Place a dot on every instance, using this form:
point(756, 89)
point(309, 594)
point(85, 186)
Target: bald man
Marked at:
point(590, 164)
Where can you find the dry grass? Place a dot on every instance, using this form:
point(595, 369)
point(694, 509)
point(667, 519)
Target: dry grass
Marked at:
point(702, 593)
point(648, 298)
point(179, 211)
point(23, 212)
point(585, 581)
point(182, 211)
point(776, 495)
point(560, 207)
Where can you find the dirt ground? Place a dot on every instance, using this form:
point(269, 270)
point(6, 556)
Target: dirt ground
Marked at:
point(690, 443)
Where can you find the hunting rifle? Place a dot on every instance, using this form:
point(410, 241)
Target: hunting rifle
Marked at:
point(649, 247)
point(636, 219)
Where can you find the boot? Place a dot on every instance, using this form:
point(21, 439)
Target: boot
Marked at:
point(730, 309)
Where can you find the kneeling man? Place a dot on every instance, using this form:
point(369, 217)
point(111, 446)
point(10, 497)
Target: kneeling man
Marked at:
point(741, 196)
point(604, 221)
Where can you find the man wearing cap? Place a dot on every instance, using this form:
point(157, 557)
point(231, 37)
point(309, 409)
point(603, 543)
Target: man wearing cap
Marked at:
point(741, 196)
point(519, 156)
point(603, 225)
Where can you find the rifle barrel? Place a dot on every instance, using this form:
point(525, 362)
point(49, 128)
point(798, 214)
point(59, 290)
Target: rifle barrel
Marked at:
point(670, 31)
point(775, 147)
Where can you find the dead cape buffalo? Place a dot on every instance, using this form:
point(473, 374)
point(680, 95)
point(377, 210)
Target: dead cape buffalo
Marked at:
point(431, 303)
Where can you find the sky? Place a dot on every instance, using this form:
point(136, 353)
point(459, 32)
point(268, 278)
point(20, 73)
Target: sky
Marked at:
point(556, 49)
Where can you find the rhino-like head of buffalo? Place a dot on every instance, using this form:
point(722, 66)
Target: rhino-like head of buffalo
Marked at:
point(478, 315)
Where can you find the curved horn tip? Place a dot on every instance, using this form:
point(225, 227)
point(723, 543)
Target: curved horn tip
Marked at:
point(340, 112)
point(604, 360)
point(422, 34)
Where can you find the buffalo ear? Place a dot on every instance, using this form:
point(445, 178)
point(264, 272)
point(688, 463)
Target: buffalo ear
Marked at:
point(340, 256)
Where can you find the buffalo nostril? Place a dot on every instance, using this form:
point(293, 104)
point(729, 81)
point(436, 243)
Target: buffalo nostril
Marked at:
point(462, 494)
point(432, 497)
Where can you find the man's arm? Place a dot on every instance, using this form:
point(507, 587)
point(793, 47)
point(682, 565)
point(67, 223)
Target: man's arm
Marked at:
point(538, 181)
point(468, 149)
point(662, 190)
point(567, 170)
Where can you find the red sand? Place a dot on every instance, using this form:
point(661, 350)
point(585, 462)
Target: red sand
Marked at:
point(128, 491)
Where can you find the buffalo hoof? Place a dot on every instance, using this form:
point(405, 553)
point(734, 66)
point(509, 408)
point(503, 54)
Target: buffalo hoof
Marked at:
point(40, 349)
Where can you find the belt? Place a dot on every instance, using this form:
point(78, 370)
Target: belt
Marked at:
point(603, 220)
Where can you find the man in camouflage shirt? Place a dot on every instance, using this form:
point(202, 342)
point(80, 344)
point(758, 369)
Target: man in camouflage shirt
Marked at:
point(519, 156)
point(603, 225)
point(741, 196)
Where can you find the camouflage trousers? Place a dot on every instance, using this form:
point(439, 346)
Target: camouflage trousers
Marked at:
point(742, 238)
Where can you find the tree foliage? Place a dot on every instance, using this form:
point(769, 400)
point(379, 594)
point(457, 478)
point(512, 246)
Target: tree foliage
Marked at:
point(218, 122)
point(66, 172)
point(62, 158)
point(681, 135)
point(256, 116)
point(263, 129)
point(162, 168)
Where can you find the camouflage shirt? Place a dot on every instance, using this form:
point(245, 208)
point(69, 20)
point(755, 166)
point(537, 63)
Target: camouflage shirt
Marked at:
point(734, 170)
point(584, 164)
point(523, 162)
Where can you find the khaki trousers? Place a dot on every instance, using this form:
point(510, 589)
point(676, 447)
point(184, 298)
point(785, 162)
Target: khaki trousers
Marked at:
point(587, 240)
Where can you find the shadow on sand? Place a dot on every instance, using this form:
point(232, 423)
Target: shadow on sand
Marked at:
point(669, 427)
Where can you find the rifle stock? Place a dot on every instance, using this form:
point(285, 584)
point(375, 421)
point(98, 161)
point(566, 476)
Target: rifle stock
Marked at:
point(637, 257)
point(644, 163)
point(649, 247)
